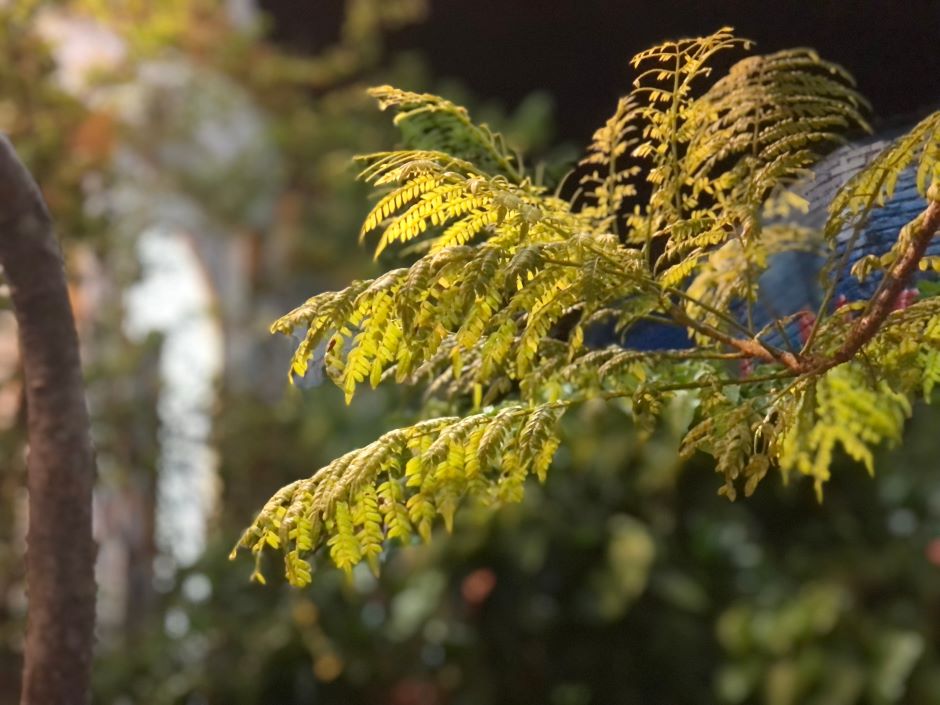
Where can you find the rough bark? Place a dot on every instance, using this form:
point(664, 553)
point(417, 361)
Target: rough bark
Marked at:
point(60, 554)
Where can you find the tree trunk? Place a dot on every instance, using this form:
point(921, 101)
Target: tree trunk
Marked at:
point(60, 555)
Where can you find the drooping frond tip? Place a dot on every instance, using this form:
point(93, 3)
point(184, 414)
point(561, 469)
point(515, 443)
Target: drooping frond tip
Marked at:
point(396, 487)
point(432, 123)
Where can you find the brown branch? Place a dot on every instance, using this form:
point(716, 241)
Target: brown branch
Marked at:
point(751, 347)
point(60, 554)
point(924, 227)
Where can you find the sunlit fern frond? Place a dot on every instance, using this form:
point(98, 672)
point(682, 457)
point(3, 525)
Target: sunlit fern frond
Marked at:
point(872, 186)
point(848, 408)
point(397, 487)
point(450, 205)
point(429, 122)
point(494, 302)
point(766, 120)
point(608, 181)
point(755, 130)
point(664, 88)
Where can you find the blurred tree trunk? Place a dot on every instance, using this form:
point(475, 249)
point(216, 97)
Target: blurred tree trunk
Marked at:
point(60, 554)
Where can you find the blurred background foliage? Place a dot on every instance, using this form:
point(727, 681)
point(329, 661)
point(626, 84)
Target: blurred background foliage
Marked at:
point(623, 579)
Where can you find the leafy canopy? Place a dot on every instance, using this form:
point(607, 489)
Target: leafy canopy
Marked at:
point(667, 224)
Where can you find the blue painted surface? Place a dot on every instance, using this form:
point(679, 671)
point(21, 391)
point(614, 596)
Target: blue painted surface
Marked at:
point(793, 281)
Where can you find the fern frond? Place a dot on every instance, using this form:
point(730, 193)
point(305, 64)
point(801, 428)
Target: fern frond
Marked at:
point(433, 123)
point(666, 93)
point(607, 183)
point(870, 188)
point(726, 432)
point(759, 127)
point(400, 483)
point(453, 203)
point(844, 408)
point(383, 168)
point(775, 111)
point(496, 308)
